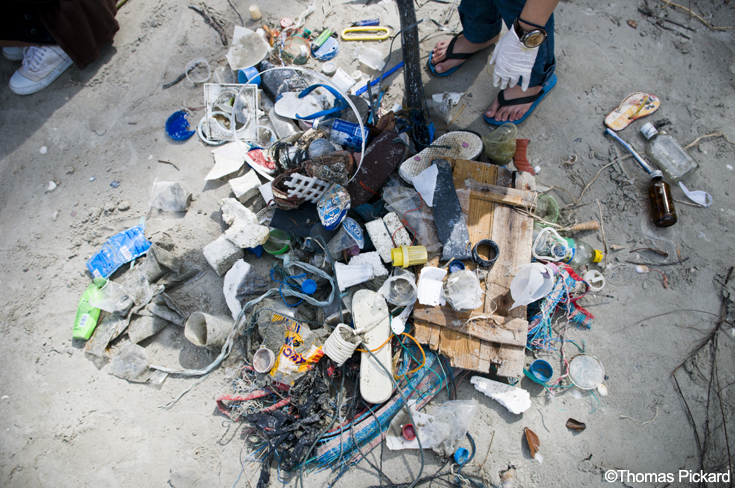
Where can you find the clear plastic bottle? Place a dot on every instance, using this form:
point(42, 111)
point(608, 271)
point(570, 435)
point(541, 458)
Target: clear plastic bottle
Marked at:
point(668, 154)
point(662, 203)
point(582, 254)
point(341, 132)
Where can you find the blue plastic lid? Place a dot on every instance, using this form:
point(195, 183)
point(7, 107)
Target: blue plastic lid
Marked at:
point(456, 266)
point(461, 455)
point(308, 287)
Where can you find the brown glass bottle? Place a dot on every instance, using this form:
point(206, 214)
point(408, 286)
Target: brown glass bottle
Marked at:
point(662, 203)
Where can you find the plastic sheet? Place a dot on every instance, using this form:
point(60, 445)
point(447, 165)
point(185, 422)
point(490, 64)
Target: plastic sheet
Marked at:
point(450, 425)
point(462, 291)
point(407, 203)
point(169, 197)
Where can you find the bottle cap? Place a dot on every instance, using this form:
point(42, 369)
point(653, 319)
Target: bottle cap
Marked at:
point(308, 287)
point(648, 130)
point(596, 256)
point(657, 174)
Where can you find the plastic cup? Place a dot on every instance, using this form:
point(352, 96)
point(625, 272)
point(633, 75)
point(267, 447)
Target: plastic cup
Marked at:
point(249, 75)
point(278, 242)
point(500, 144)
point(349, 235)
point(197, 71)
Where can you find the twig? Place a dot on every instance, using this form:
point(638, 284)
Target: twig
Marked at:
point(209, 20)
point(714, 134)
point(664, 314)
point(642, 423)
point(697, 16)
point(602, 231)
point(588, 185)
point(665, 281)
point(169, 162)
point(656, 264)
point(453, 118)
point(660, 253)
point(177, 80)
point(488, 450)
point(691, 204)
point(238, 13)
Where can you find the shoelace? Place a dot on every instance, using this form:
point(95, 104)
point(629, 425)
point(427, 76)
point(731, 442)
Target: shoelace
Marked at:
point(32, 57)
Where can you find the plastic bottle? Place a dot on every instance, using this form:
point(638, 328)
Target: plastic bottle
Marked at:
point(280, 80)
point(582, 254)
point(86, 319)
point(341, 132)
point(662, 204)
point(668, 154)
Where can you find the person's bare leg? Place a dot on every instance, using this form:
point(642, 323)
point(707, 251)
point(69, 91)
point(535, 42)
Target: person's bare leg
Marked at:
point(510, 113)
point(462, 45)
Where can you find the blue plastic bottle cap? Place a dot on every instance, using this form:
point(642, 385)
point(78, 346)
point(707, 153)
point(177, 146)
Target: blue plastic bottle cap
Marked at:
point(308, 287)
point(456, 266)
point(461, 455)
point(542, 370)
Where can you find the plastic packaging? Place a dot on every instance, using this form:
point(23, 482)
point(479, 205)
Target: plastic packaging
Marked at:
point(582, 254)
point(586, 371)
point(406, 256)
point(352, 274)
point(87, 316)
point(111, 298)
point(118, 250)
point(372, 58)
point(662, 203)
point(349, 235)
point(333, 206)
point(548, 245)
point(462, 291)
point(284, 127)
point(405, 202)
point(400, 289)
point(341, 132)
point(500, 144)
point(300, 351)
point(668, 154)
point(223, 74)
point(450, 424)
point(169, 197)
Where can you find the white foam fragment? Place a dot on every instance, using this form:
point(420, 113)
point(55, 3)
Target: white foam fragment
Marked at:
point(246, 186)
point(371, 258)
point(516, 400)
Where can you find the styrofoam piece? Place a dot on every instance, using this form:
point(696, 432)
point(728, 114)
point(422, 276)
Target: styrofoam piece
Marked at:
point(350, 275)
point(245, 231)
point(425, 184)
point(307, 187)
point(397, 230)
point(370, 312)
point(227, 160)
point(266, 192)
point(430, 286)
point(371, 258)
point(246, 186)
point(233, 278)
point(221, 254)
point(516, 400)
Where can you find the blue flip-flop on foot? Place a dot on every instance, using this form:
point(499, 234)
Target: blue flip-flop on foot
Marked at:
point(536, 99)
point(450, 54)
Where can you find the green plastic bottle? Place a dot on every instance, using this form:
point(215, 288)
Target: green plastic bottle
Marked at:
point(86, 319)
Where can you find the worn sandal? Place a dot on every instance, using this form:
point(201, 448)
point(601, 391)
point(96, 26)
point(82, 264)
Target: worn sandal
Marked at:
point(536, 99)
point(635, 106)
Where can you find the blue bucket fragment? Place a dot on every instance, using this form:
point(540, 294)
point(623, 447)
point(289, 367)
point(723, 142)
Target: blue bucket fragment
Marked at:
point(177, 126)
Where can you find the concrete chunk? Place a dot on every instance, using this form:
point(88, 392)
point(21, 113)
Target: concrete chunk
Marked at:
point(221, 254)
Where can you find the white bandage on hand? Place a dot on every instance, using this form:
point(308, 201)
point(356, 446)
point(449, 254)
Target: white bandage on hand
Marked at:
point(512, 61)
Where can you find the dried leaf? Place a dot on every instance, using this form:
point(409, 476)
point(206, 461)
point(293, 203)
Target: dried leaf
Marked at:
point(632, 24)
point(576, 425)
point(533, 442)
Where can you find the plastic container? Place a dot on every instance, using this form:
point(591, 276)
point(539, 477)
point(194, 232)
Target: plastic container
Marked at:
point(341, 132)
point(351, 275)
point(533, 282)
point(548, 245)
point(500, 144)
point(208, 331)
point(198, 71)
point(455, 266)
point(400, 289)
point(668, 154)
point(662, 203)
point(586, 371)
point(278, 242)
point(248, 76)
point(255, 12)
point(406, 256)
point(297, 48)
point(308, 287)
point(87, 316)
point(462, 291)
point(541, 370)
point(349, 235)
point(263, 360)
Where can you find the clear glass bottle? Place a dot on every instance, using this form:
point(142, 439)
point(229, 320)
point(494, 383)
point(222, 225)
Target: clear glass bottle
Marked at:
point(582, 254)
point(662, 204)
point(668, 154)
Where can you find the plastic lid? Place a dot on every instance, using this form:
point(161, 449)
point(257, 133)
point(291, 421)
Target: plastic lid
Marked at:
point(396, 255)
point(308, 287)
point(657, 173)
point(597, 256)
point(648, 130)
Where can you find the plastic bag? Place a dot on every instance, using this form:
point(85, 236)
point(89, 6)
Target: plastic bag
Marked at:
point(112, 298)
point(118, 250)
point(169, 197)
point(462, 291)
point(400, 288)
point(407, 203)
point(450, 424)
point(300, 352)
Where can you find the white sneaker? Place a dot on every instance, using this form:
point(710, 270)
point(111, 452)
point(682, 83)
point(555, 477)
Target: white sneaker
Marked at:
point(13, 53)
point(41, 66)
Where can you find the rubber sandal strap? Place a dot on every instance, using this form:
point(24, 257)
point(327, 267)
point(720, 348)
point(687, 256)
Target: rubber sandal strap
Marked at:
point(450, 54)
point(518, 101)
point(339, 102)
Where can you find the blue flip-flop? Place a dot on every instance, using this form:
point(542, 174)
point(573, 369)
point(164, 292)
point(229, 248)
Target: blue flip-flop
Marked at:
point(536, 99)
point(450, 54)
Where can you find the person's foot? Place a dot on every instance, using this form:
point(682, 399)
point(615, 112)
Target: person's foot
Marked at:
point(461, 45)
point(41, 66)
point(509, 113)
point(13, 53)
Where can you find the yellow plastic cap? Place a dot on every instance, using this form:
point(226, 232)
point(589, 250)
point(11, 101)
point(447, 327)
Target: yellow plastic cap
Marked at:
point(597, 257)
point(397, 255)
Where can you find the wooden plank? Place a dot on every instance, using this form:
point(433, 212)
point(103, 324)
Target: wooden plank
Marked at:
point(500, 194)
point(489, 327)
point(479, 214)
